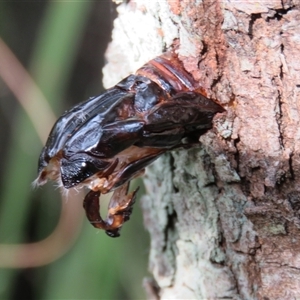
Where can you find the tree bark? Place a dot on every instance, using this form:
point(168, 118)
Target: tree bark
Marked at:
point(224, 216)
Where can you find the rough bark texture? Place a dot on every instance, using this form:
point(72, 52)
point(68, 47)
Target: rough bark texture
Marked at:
point(224, 217)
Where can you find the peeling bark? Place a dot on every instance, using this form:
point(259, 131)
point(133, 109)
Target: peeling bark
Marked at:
point(224, 216)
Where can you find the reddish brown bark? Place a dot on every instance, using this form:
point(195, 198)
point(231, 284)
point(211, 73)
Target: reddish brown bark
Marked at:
point(224, 217)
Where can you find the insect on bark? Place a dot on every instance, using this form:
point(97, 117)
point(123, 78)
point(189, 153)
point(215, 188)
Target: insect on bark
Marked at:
point(108, 140)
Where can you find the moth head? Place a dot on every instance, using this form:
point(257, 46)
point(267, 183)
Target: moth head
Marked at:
point(71, 171)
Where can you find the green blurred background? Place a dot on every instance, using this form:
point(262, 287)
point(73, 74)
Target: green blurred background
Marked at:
point(61, 45)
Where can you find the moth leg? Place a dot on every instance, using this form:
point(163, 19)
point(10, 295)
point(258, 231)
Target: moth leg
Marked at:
point(120, 209)
point(134, 169)
point(91, 206)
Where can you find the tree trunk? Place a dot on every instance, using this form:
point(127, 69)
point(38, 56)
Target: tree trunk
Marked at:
point(224, 216)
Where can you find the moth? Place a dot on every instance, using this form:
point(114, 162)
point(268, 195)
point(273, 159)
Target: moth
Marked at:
point(108, 140)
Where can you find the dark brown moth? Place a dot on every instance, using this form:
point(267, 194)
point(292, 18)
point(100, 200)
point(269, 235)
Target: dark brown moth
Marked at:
point(108, 140)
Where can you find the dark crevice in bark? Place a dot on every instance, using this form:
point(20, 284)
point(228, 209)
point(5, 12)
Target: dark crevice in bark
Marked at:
point(255, 169)
point(215, 81)
point(210, 183)
point(170, 230)
point(291, 166)
point(288, 266)
point(221, 243)
point(204, 49)
point(279, 115)
point(294, 201)
point(281, 72)
point(280, 137)
point(152, 289)
point(253, 18)
point(172, 164)
point(202, 53)
point(281, 66)
point(245, 186)
point(253, 250)
point(236, 284)
point(164, 49)
point(218, 78)
point(237, 154)
point(279, 13)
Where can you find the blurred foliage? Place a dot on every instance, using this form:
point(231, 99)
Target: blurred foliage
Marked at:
point(62, 45)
